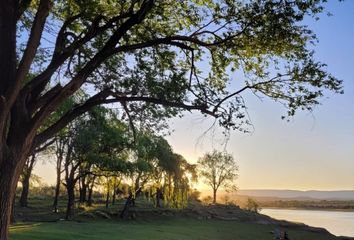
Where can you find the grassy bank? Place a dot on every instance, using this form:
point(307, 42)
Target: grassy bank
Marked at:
point(176, 228)
point(198, 221)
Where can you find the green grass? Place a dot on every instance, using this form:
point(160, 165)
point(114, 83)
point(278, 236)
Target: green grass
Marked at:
point(155, 225)
point(169, 229)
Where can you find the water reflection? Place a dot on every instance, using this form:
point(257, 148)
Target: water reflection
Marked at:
point(338, 223)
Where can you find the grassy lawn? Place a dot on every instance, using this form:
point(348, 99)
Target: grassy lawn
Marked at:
point(178, 229)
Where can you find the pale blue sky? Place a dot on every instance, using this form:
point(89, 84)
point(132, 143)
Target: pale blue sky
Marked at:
point(312, 151)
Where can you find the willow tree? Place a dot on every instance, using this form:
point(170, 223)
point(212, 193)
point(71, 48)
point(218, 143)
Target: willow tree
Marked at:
point(153, 57)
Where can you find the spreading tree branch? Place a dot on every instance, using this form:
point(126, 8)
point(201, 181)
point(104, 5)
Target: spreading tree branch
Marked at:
point(82, 75)
point(31, 49)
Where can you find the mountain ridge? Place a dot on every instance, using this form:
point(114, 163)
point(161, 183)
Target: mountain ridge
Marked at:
point(293, 194)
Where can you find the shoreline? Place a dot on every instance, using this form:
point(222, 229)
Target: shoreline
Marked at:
point(312, 222)
point(310, 209)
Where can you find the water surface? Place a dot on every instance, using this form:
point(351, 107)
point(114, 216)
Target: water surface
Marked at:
point(336, 222)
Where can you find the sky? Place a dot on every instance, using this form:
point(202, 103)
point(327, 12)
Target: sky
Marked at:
point(314, 151)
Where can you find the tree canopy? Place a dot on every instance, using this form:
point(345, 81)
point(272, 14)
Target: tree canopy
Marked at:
point(155, 58)
point(176, 54)
point(219, 170)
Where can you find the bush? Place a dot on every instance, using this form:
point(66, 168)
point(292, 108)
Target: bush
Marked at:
point(252, 205)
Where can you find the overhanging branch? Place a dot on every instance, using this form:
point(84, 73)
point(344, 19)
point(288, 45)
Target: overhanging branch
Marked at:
point(103, 98)
point(31, 48)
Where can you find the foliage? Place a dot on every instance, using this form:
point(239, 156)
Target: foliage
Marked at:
point(309, 204)
point(252, 205)
point(102, 140)
point(157, 58)
point(218, 169)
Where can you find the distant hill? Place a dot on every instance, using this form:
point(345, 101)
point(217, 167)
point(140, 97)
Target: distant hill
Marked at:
point(301, 195)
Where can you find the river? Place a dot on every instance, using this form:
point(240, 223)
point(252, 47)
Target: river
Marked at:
point(336, 222)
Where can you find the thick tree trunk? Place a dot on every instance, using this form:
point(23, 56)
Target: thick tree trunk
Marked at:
point(10, 167)
point(13, 218)
point(7, 50)
point(70, 188)
point(12, 162)
point(9, 175)
point(25, 190)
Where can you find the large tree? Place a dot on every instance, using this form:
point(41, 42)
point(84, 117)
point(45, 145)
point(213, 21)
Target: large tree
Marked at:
point(219, 170)
point(154, 57)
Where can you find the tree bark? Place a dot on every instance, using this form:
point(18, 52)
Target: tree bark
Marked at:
point(26, 175)
point(70, 188)
point(10, 167)
point(89, 197)
point(9, 175)
point(83, 190)
point(25, 190)
point(13, 219)
point(7, 52)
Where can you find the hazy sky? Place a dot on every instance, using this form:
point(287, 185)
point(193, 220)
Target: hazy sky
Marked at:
point(312, 151)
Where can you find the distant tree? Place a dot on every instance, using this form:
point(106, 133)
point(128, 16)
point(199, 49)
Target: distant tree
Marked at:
point(252, 205)
point(60, 146)
point(60, 151)
point(218, 169)
point(96, 139)
point(25, 180)
point(27, 172)
point(207, 199)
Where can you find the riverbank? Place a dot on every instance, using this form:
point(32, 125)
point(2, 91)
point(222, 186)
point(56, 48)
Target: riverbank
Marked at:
point(336, 222)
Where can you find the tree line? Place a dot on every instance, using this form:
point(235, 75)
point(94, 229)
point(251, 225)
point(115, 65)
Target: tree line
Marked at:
point(99, 150)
